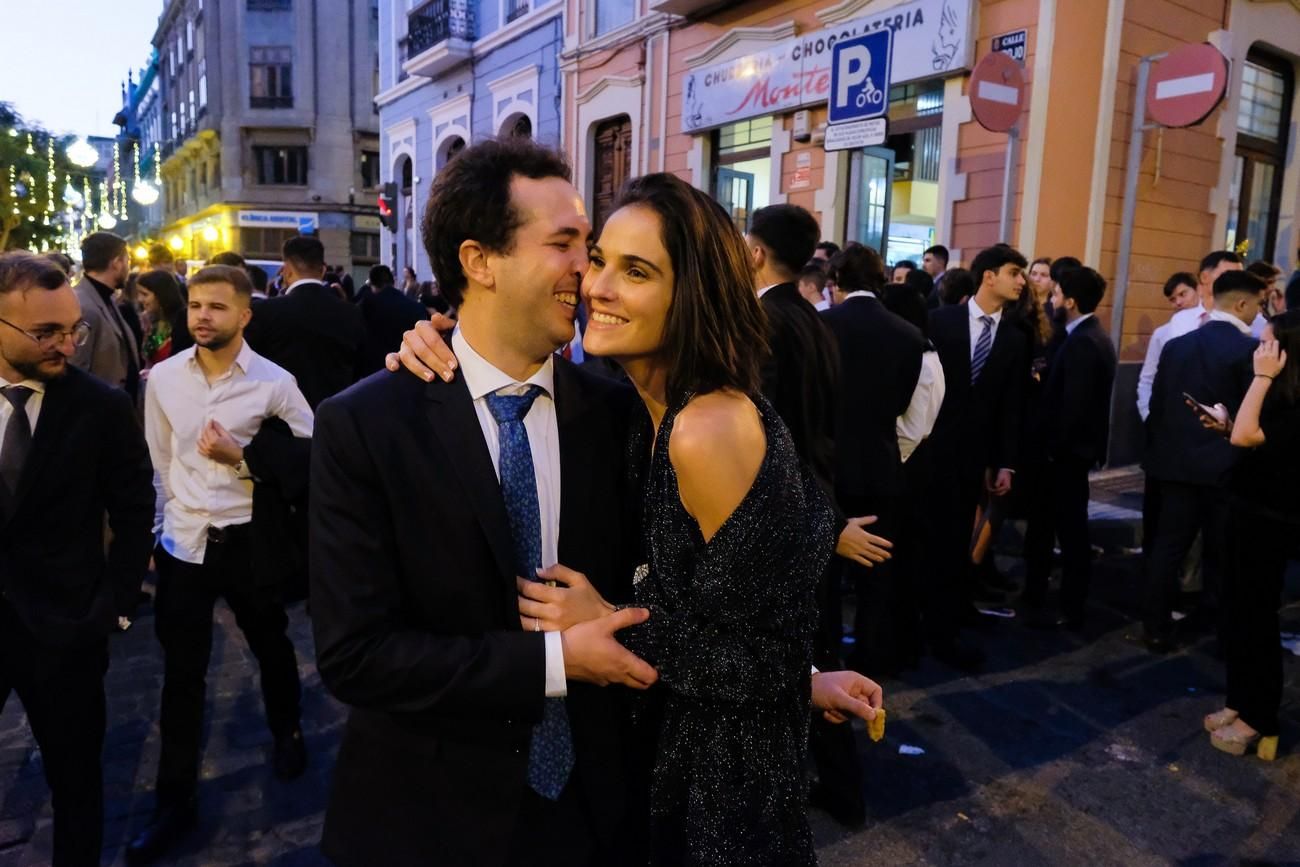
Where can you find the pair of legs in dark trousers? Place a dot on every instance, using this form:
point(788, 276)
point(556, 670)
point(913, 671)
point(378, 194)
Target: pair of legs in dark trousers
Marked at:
point(183, 607)
point(1257, 549)
point(62, 691)
point(947, 589)
point(1058, 509)
point(1185, 510)
point(833, 748)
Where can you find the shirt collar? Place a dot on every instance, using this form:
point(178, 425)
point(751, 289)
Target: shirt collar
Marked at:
point(1220, 316)
point(483, 379)
point(1070, 326)
point(861, 293)
point(766, 289)
point(296, 283)
point(243, 360)
point(977, 313)
point(34, 385)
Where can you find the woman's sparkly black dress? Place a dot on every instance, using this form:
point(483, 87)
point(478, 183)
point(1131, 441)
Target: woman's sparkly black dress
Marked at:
point(731, 635)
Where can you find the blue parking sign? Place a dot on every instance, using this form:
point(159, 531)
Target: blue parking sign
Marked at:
point(860, 76)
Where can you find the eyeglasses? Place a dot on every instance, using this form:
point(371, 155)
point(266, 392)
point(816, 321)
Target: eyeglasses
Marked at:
point(52, 338)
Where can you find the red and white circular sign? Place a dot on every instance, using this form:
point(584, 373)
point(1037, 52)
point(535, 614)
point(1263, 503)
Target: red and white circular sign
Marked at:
point(1187, 85)
point(997, 92)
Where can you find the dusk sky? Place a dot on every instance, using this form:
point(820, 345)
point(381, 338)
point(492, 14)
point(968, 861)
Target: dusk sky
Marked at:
point(64, 61)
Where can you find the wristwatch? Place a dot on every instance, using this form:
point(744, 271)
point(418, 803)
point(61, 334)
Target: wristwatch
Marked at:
point(241, 470)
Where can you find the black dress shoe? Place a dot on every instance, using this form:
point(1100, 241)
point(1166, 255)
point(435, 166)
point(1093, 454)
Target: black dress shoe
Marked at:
point(960, 656)
point(847, 808)
point(290, 756)
point(169, 825)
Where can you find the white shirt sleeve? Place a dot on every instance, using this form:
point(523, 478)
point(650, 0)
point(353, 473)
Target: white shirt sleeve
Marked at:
point(556, 685)
point(158, 435)
point(1147, 378)
point(294, 409)
point(916, 423)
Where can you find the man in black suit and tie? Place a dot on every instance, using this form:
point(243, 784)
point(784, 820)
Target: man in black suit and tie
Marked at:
point(976, 439)
point(71, 452)
point(1213, 365)
point(1069, 437)
point(309, 330)
point(471, 739)
point(388, 314)
point(880, 365)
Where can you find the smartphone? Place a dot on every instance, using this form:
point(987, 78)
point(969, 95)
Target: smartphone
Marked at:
point(1218, 413)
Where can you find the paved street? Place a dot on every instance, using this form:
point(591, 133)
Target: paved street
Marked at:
point(1067, 751)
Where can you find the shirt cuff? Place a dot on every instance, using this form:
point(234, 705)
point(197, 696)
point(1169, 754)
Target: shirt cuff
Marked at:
point(556, 685)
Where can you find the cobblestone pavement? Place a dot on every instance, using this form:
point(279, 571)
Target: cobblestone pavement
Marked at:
point(1066, 751)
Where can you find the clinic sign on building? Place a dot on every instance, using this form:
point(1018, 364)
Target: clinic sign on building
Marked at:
point(932, 38)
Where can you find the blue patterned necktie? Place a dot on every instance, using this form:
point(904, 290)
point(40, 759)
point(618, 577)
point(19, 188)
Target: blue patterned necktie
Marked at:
point(550, 757)
point(982, 347)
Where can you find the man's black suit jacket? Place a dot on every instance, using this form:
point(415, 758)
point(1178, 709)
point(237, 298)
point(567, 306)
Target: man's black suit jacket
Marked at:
point(415, 614)
point(88, 457)
point(312, 333)
point(800, 376)
point(880, 363)
point(979, 425)
point(1073, 414)
point(1214, 364)
point(388, 314)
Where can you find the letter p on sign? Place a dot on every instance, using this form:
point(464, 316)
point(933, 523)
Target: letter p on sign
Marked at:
point(851, 68)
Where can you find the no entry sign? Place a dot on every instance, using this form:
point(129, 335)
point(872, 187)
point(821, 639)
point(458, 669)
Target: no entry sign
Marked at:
point(1187, 85)
point(997, 92)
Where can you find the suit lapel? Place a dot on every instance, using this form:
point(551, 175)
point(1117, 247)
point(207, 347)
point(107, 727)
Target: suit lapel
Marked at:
point(451, 415)
point(49, 422)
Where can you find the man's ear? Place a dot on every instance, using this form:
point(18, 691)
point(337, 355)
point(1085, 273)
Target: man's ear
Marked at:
point(474, 262)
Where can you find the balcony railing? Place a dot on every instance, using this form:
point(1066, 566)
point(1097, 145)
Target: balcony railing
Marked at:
point(438, 21)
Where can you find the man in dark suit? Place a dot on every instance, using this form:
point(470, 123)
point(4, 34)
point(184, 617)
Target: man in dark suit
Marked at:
point(72, 451)
point(1069, 437)
point(800, 379)
point(309, 330)
point(471, 739)
point(880, 365)
point(388, 314)
point(934, 261)
point(976, 439)
point(1212, 365)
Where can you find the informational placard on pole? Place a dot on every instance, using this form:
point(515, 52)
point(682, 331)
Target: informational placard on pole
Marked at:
point(859, 134)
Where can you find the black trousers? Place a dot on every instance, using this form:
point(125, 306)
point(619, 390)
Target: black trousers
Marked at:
point(832, 747)
point(947, 585)
point(1058, 509)
point(183, 607)
point(1257, 549)
point(1184, 511)
point(62, 692)
point(555, 832)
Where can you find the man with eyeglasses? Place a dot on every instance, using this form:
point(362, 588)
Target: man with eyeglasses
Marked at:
point(71, 451)
point(110, 352)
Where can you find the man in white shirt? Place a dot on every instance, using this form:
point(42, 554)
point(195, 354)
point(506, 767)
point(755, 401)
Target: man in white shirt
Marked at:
point(202, 407)
point(1191, 312)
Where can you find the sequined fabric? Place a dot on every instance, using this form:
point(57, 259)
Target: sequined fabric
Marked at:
point(731, 635)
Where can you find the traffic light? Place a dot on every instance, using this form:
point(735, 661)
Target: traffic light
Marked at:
point(388, 207)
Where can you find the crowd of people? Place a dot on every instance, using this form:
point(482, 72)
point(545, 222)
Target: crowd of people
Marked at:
point(661, 459)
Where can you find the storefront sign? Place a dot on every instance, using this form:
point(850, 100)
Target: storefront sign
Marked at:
point(302, 221)
point(859, 134)
point(930, 39)
point(1012, 44)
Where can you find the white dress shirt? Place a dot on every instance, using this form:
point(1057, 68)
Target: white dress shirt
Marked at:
point(766, 289)
point(32, 407)
point(1220, 316)
point(917, 421)
point(179, 402)
point(1182, 322)
point(296, 283)
point(543, 431)
point(1257, 327)
point(977, 326)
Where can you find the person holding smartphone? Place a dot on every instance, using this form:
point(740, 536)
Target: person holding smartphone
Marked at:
point(1263, 517)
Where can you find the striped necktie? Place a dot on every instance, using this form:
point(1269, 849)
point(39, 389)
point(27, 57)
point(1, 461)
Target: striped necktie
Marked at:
point(982, 348)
